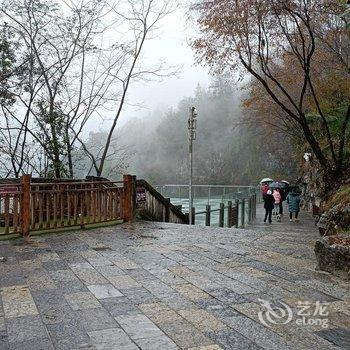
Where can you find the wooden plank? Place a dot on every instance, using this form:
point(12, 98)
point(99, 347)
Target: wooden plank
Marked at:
point(62, 204)
point(81, 211)
point(94, 199)
point(41, 204)
point(75, 207)
point(99, 216)
point(87, 207)
point(69, 208)
point(7, 214)
point(25, 207)
point(15, 213)
point(48, 214)
point(54, 209)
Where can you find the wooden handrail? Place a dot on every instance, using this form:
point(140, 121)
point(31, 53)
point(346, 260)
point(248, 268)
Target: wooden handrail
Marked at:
point(163, 200)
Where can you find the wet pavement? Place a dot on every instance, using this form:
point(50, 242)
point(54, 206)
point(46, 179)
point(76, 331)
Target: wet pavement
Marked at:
point(163, 286)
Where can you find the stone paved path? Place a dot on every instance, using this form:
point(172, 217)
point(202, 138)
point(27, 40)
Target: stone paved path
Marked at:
point(163, 286)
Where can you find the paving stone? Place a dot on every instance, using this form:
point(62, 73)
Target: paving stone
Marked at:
point(70, 335)
point(123, 282)
point(103, 291)
point(181, 265)
point(138, 326)
point(40, 281)
point(95, 319)
point(82, 300)
point(63, 276)
point(55, 265)
point(24, 328)
point(119, 306)
point(48, 256)
point(165, 317)
point(156, 343)
point(338, 336)
point(124, 263)
point(18, 301)
point(232, 340)
point(139, 295)
point(90, 276)
point(257, 333)
point(208, 347)
point(110, 270)
point(153, 308)
point(141, 275)
point(36, 344)
point(228, 296)
point(4, 344)
point(202, 320)
point(80, 265)
point(112, 339)
point(60, 313)
point(185, 335)
point(191, 292)
point(48, 297)
point(177, 302)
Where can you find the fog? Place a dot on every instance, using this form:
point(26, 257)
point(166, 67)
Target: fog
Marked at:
point(171, 46)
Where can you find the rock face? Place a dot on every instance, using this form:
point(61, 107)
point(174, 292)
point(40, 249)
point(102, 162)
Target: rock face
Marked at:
point(333, 254)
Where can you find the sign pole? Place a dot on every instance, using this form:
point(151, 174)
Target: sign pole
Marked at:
point(192, 126)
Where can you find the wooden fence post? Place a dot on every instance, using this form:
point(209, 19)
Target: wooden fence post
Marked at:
point(25, 205)
point(193, 215)
point(237, 213)
point(221, 215)
point(129, 197)
point(167, 210)
point(229, 214)
point(207, 215)
point(243, 212)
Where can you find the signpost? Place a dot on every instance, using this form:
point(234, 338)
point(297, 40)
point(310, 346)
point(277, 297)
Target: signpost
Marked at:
point(192, 126)
point(140, 195)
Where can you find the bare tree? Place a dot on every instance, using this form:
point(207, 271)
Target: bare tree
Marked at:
point(77, 61)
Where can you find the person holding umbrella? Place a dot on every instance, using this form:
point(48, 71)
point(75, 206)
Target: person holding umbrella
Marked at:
point(293, 200)
point(269, 204)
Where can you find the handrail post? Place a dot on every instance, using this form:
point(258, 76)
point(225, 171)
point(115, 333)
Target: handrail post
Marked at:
point(237, 213)
point(25, 205)
point(207, 215)
point(243, 212)
point(250, 210)
point(129, 197)
point(229, 214)
point(193, 215)
point(221, 215)
point(167, 210)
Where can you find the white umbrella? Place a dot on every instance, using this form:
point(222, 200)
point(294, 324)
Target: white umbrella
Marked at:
point(266, 179)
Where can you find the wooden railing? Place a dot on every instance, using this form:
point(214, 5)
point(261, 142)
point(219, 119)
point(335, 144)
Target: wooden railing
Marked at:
point(63, 204)
point(10, 208)
point(156, 207)
point(29, 205)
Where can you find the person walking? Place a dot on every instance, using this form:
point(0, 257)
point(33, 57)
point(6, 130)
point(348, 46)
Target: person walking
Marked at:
point(269, 204)
point(293, 200)
point(277, 195)
point(264, 189)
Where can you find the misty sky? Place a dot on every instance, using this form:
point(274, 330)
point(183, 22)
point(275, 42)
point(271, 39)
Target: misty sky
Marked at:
point(172, 47)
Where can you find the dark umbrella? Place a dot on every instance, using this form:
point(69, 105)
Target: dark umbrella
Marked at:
point(278, 185)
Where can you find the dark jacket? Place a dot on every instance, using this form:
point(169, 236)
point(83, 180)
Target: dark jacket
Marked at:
point(293, 200)
point(269, 201)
